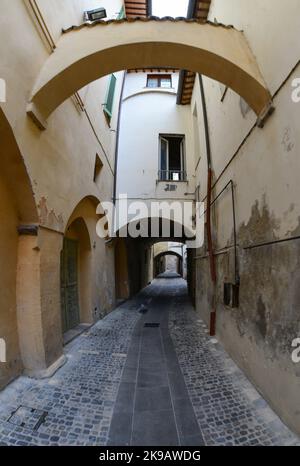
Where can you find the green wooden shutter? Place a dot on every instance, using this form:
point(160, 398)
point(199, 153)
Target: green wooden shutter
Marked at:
point(108, 107)
point(121, 15)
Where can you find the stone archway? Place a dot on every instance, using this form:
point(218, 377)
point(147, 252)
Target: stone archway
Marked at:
point(163, 255)
point(87, 53)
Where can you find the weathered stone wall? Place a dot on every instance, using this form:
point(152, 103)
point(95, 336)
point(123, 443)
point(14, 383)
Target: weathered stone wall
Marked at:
point(264, 166)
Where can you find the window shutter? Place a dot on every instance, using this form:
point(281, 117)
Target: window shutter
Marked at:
point(121, 14)
point(110, 96)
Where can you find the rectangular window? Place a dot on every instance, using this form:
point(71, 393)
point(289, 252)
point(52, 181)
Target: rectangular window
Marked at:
point(159, 80)
point(171, 166)
point(109, 101)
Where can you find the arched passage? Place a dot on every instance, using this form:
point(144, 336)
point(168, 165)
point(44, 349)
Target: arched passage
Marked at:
point(160, 264)
point(134, 250)
point(17, 207)
point(87, 53)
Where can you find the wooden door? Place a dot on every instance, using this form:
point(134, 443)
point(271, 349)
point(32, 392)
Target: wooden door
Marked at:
point(69, 285)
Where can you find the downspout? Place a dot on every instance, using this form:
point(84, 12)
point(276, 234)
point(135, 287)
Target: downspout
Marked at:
point(212, 261)
point(149, 7)
point(118, 139)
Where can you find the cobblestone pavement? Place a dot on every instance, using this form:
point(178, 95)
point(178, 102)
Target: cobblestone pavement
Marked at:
point(229, 409)
point(125, 383)
point(78, 400)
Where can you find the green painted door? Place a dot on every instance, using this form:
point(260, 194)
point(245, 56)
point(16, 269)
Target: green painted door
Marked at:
point(69, 285)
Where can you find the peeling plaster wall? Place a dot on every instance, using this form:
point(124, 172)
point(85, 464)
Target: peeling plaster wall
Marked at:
point(265, 172)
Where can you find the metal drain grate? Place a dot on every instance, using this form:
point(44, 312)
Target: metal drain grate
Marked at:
point(151, 325)
point(29, 418)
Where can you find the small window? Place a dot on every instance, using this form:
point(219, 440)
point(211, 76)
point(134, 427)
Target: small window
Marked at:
point(172, 166)
point(109, 101)
point(159, 80)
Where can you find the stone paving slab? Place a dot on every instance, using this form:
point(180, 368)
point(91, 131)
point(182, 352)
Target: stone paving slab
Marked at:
point(147, 408)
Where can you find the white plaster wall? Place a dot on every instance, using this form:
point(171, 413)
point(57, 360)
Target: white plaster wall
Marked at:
point(271, 28)
point(137, 82)
point(145, 116)
point(63, 14)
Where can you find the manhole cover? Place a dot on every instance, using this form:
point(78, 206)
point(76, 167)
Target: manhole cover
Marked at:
point(151, 325)
point(29, 418)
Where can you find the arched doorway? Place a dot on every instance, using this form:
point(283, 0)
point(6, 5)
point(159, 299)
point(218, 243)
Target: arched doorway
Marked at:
point(75, 276)
point(168, 261)
point(85, 292)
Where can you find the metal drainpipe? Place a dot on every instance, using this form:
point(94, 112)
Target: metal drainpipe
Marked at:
point(212, 261)
point(118, 139)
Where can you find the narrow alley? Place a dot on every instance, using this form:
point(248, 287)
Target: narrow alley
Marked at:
point(147, 374)
point(150, 224)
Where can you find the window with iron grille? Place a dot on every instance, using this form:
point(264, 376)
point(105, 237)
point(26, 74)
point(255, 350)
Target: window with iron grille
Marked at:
point(163, 81)
point(109, 101)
